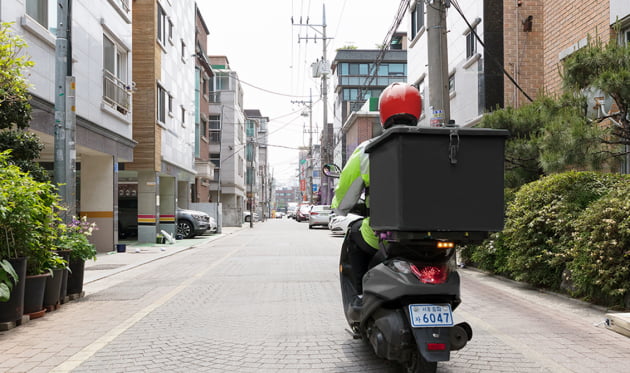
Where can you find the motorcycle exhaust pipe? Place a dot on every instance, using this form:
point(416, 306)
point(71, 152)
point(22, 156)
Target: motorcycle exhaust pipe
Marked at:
point(459, 335)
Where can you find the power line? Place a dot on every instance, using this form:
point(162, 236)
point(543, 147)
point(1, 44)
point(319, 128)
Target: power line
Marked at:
point(402, 9)
point(499, 64)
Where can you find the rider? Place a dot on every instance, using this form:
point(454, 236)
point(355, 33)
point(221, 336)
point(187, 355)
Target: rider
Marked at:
point(399, 104)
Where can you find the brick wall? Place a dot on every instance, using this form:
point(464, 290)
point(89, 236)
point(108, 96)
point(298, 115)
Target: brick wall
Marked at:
point(566, 23)
point(523, 50)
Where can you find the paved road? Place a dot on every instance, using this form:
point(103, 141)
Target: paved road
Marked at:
point(266, 300)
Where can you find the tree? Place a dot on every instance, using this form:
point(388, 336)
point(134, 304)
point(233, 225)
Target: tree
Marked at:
point(605, 67)
point(15, 107)
point(546, 136)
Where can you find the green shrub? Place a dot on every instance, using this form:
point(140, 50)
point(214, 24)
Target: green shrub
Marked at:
point(540, 223)
point(27, 217)
point(600, 269)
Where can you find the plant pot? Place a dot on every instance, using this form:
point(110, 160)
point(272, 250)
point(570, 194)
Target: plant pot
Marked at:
point(53, 288)
point(13, 309)
point(75, 277)
point(63, 289)
point(34, 290)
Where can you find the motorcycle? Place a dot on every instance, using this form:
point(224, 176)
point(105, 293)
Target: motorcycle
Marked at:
point(405, 309)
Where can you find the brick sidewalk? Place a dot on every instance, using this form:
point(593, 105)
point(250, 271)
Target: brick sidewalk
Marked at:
point(137, 254)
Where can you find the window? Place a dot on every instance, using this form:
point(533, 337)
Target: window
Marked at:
point(417, 18)
point(250, 128)
point(451, 84)
point(183, 114)
point(222, 81)
point(162, 97)
point(214, 122)
point(44, 12)
point(471, 43)
point(183, 51)
point(216, 159)
point(204, 128)
point(115, 90)
point(161, 25)
point(170, 30)
point(214, 137)
point(170, 103)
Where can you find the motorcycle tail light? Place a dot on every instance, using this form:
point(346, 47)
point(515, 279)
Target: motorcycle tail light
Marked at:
point(431, 274)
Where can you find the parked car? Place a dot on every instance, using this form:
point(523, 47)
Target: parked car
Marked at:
point(247, 216)
point(213, 225)
point(339, 224)
point(191, 223)
point(318, 216)
point(302, 213)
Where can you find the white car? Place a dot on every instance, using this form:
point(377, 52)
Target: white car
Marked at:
point(339, 224)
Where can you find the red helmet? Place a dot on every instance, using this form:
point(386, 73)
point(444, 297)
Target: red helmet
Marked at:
point(399, 103)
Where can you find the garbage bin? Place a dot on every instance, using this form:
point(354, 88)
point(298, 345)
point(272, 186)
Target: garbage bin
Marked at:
point(121, 247)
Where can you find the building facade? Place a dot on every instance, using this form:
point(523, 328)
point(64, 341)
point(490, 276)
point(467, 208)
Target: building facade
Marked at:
point(356, 79)
point(102, 68)
point(475, 75)
point(257, 126)
point(200, 192)
point(529, 39)
point(163, 166)
point(227, 141)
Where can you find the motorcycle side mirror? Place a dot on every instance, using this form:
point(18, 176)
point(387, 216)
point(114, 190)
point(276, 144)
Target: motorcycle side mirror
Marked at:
point(331, 170)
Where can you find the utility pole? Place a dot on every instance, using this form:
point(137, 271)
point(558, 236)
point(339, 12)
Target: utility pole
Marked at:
point(309, 156)
point(321, 69)
point(65, 117)
point(439, 101)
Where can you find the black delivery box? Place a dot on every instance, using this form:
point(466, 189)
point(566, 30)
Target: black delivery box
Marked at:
point(433, 180)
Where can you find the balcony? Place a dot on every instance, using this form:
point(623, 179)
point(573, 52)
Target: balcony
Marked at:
point(204, 169)
point(115, 93)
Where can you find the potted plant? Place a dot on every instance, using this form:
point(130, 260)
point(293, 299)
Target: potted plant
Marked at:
point(52, 293)
point(27, 214)
point(8, 279)
point(74, 238)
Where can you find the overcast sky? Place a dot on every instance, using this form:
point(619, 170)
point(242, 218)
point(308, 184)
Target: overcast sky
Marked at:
point(273, 59)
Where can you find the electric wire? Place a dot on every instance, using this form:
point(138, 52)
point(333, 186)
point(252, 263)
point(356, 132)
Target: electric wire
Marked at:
point(499, 64)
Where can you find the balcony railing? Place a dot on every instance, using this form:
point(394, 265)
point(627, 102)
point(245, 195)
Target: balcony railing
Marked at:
point(115, 92)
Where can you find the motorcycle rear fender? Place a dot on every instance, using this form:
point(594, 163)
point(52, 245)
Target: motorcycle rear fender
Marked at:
point(383, 285)
point(424, 336)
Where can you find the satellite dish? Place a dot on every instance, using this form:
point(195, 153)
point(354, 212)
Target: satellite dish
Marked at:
point(598, 103)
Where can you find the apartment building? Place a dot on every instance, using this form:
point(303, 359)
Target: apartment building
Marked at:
point(163, 166)
point(356, 79)
point(528, 38)
point(227, 141)
point(257, 130)
point(102, 68)
point(203, 73)
point(475, 76)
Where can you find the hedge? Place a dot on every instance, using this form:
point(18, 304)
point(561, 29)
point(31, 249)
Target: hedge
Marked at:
point(565, 223)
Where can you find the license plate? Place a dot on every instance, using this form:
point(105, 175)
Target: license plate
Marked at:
point(428, 315)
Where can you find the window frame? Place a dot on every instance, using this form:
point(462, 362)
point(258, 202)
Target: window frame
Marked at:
point(161, 106)
point(417, 19)
point(162, 23)
point(471, 43)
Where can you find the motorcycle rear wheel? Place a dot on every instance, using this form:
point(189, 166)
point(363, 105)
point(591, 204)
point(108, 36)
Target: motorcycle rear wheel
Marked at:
point(418, 364)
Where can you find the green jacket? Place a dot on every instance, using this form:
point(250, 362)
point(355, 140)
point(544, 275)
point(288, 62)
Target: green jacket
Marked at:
point(355, 177)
